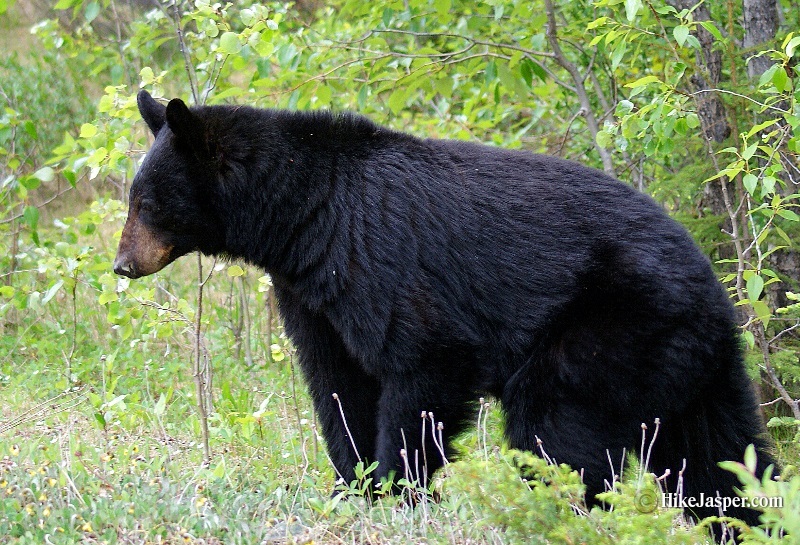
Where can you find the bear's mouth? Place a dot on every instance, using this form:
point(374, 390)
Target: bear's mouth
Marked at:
point(126, 265)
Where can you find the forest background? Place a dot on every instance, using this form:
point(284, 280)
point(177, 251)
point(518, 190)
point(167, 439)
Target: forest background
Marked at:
point(168, 409)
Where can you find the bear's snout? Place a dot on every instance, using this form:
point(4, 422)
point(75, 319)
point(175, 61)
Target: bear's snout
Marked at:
point(141, 251)
point(124, 266)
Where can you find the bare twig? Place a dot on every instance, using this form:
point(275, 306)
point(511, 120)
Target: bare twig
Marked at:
point(346, 427)
point(475, 41)
point(42, 205)
point(773, 402)
point(245, 313)
point(784, 332)
point(200, 371)
point(64, 401)
point(580, 89)
point(738, 95)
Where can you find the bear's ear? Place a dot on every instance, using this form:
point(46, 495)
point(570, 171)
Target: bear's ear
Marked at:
point(152, 112)
point(187, 127)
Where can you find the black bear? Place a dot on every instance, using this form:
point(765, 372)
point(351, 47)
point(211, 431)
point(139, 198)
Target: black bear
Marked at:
point(419, 274)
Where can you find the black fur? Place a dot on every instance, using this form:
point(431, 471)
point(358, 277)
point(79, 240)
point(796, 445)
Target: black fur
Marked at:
point(417, 275)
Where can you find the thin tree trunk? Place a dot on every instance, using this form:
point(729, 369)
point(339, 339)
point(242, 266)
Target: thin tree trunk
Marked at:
point(580, 89)
point(760, 25)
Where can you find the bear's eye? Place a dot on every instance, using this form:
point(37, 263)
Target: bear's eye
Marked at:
point(147, 206)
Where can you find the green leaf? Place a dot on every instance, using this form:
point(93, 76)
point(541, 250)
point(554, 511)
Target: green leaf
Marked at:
point(749, 338)
point(97, 157)
point(70, 176)
point(324, 95)
point(768, 185)
point(681, 32)
point(750, 182)
point(248, 16)
point(619, 52)
point(788, 214)
point(641, 82)
point(107, 297)
point(50, 293)
point(490, 72)
point(147, 76)
point(780, 80)
point(596, 23)
point(664, 10)
point(779, 421)
point(126, 331)
point(760, 127)
point(750, 458)
point(88, 130)
point(161, 405)
point(791, 46)
point(499, 9)
point(397, 100)
point(749, 151)
point(229, 43)
point(386, 17)
point(693, 42)
point(30, 128)
point(209, 26)
point(632, 7)
point(762, 311)
point(604, 139)
point(442, 7)
point(712, 29)
point(510, 80)
point(783, 235)
point(31, 216)
point(768, 74)
point(92, 11)
point(45, 174)
point(755, 287)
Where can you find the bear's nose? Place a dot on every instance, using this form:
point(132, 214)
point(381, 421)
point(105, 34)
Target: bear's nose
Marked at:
point(123, 267)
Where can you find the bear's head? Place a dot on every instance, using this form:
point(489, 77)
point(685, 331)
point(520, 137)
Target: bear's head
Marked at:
point(172, 196)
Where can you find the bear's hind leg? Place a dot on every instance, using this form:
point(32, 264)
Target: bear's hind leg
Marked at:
point(548, 423)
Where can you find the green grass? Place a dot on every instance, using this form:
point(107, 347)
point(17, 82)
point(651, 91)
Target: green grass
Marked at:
point(118, 458)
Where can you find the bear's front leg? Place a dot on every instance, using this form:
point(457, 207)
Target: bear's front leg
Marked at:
point(346, 400)
point(348, 421)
